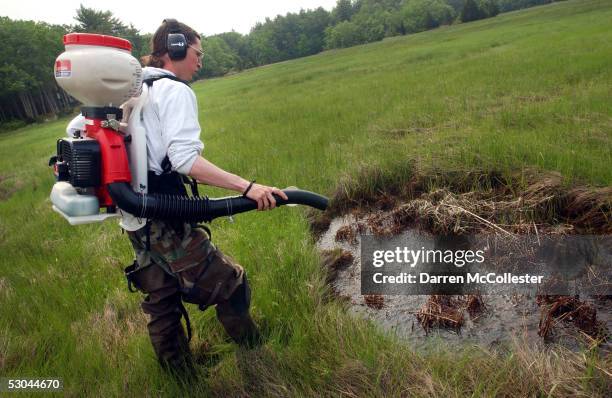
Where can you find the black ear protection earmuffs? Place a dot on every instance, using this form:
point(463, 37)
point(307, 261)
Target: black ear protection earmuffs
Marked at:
point(176, 43)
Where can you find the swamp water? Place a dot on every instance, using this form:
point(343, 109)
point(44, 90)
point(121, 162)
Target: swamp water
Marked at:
point(505, 317)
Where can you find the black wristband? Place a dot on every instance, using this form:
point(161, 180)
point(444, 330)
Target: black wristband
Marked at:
point(248, 188)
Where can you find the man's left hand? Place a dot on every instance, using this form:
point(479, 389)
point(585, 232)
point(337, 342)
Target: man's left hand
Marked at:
point(262, 194)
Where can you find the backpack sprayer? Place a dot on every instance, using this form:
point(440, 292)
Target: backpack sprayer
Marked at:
point(105, 167)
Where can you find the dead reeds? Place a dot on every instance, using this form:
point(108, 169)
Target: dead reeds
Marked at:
point(472, 201)
point(335, 260)
point(375, 301)
point(569, 309)
point(447, 312)
point(346, 234)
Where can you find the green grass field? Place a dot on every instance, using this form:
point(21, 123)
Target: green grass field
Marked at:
point(527, 89)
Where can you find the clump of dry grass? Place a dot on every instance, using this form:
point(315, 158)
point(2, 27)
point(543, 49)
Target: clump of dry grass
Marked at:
point(346, 234)
point(441, 312)
point(462, 202)
point(8, 186)
point(589, 209)
point(556, 309)
point(319, 221)
point(446, 312)
point(119, 319)
point(381, 187)
point(375, 301)
point(5, 289)
point(475, 305)
point(4, 348)
point(335, 260)
point(559, 372)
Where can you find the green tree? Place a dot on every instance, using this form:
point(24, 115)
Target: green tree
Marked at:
point(27, 85)
point(220, 58)
point(420, 15)
point(93, 21)
point(470, 11)
point(312, 31)
point(239, 45)
point(261, 44)
point(90, 20)
point(456, 4)
point(489, 8)
point(343, 11)
point(511, 5)
point(344, 34)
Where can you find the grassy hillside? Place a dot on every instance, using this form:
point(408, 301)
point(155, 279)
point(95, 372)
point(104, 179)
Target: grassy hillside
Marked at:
point(525, 89)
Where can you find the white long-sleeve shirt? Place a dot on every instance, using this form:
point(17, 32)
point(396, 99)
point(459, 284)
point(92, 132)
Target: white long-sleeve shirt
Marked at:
point(170, 119)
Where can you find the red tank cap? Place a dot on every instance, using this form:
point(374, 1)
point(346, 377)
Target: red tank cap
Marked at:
point(92, 39)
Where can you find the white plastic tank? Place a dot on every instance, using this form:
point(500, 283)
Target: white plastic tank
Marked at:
point(98, 70)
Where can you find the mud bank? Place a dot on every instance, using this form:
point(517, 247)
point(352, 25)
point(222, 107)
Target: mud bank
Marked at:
point(412, 205)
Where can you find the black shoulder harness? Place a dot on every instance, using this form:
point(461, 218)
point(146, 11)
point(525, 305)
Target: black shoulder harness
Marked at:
point(149, 82)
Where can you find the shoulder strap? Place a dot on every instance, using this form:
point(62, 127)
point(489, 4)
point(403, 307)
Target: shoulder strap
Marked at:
point(149, 82)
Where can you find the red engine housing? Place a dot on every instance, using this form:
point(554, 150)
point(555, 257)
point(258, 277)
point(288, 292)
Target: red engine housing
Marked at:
point(114, 162)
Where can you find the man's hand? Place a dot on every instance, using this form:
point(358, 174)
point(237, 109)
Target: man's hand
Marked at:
point(262, 194)
point(207, 173)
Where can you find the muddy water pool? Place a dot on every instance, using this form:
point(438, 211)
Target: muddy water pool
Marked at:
point(508, 315)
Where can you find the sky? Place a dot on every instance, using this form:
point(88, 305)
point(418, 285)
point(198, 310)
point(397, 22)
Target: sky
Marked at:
point(207, 17)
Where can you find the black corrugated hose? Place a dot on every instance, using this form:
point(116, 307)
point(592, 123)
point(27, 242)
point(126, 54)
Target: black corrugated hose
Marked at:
point(196, 209)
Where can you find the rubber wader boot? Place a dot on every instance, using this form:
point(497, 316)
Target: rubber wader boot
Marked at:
point(163, 305)
point(235, 317)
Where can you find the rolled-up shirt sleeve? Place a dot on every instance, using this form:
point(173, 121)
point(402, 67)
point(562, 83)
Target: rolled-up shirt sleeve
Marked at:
point(180, 128)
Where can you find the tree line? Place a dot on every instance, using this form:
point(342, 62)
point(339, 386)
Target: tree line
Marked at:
point(28, 91)
point(350, 23)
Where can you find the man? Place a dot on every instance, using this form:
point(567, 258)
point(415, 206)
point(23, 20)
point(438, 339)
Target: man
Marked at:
point(176, 260)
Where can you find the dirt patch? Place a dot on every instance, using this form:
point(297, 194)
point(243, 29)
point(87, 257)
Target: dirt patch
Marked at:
point(3, 190)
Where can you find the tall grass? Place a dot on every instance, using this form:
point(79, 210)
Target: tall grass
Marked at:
point(525, 89)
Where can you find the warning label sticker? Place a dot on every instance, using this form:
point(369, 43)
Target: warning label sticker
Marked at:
point(63, 68)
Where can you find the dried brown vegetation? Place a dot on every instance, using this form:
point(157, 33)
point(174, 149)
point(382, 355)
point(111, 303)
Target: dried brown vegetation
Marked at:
point(446, 312)
point(119, 320)
point(346, 234)
point(335, 260)
point(8, 186)
point(475, 305)
point(375, 301)
point(471, 201)
point(4, 349)
point(569, 309)
point(319, 221)
point(386, 202)
point(5, 288)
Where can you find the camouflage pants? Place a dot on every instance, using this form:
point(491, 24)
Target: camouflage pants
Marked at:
point(183, 264)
